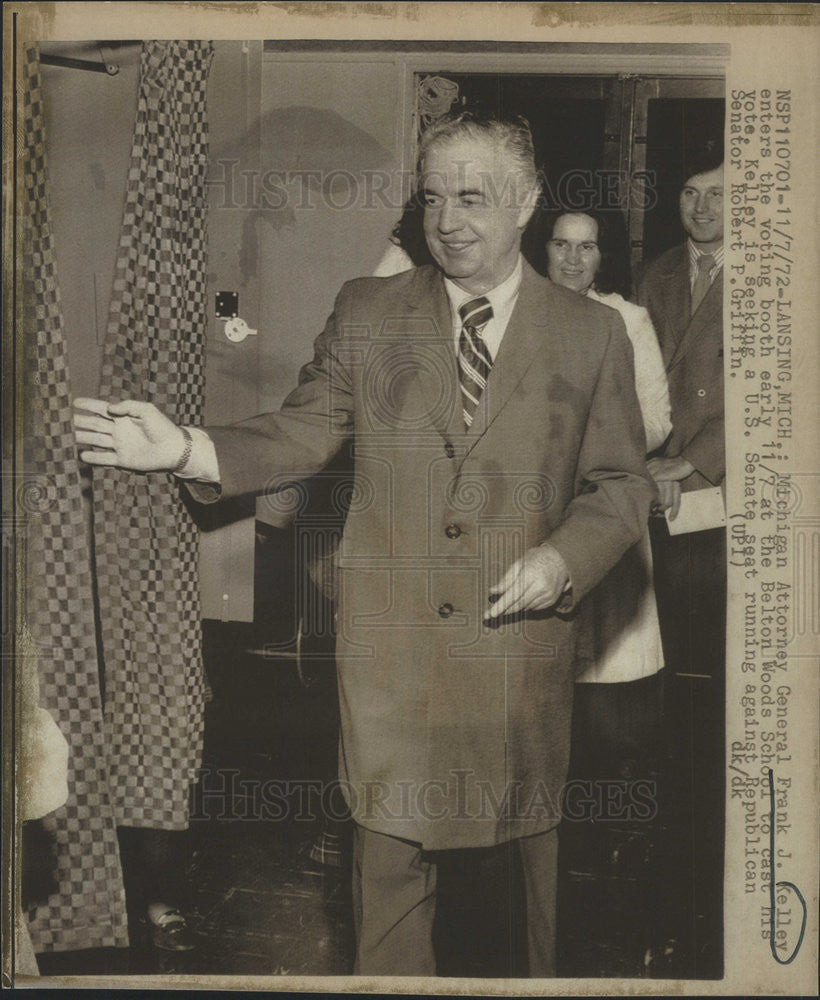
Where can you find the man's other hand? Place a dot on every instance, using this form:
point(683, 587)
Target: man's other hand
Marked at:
point(667, 473)
point(534, 582)
point(669, 494)
point(130, 435)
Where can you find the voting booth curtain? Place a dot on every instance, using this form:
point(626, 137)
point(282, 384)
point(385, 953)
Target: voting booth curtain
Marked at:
point(82, 902)
point(145, 541)
point(126, 686)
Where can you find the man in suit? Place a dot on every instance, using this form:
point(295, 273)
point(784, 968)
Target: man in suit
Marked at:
point(498, 475)
point(683, 292)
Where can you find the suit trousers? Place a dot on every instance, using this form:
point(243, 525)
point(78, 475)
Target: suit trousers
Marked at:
point(690, 584)
point(394, 903)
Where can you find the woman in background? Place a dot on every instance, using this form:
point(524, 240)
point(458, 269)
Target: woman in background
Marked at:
point(620, 643)
point(407, 246)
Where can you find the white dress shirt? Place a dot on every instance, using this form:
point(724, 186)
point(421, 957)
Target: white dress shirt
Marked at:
point(502, 298)
point(694, 253)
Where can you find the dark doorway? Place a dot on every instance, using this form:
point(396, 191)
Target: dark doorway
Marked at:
point(673, 124)
point(568, 119)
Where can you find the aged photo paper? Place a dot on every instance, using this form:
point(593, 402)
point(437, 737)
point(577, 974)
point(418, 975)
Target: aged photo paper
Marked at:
point(285, 59)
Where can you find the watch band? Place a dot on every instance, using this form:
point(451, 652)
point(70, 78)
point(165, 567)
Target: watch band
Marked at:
point(186, 453)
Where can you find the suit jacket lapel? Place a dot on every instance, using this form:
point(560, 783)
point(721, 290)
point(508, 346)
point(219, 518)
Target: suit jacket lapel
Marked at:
point(434, 351)
point(677, 298)
point(523, 339)
point(704, 318)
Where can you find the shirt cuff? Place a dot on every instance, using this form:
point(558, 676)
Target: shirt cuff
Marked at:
point(203, 465)
point(566, 601)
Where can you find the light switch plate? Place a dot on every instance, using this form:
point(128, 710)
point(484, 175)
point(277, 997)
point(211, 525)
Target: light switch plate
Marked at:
point(227, 305)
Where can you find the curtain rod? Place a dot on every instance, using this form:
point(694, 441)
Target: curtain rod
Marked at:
point(112, 69)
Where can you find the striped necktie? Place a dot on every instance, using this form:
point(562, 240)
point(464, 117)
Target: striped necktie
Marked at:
point(703, 281)
point(474, 361)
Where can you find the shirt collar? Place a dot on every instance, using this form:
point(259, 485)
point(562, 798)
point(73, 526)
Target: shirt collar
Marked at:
point(501, 298)
point(695, 252)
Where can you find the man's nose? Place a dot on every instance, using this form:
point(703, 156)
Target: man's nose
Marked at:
point(702, 202)
point(449, 218)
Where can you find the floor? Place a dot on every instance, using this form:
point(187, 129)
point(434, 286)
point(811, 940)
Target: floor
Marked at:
point(258, 904)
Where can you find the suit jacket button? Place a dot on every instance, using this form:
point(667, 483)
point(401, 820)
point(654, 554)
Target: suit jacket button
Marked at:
point(452, 531)
point(449, 450)
point(701, 392)
point(445, 610)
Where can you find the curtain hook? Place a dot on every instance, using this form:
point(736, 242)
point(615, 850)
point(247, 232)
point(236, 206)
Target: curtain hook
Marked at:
point(111, 68)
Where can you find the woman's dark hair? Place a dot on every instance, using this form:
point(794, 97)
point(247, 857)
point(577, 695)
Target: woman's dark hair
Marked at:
point(408, 233)
point(614, 273)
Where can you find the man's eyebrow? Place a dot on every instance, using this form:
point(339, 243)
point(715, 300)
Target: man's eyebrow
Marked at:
point(468, 192)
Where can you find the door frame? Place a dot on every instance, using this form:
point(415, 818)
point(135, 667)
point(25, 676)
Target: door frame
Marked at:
point(638, 74)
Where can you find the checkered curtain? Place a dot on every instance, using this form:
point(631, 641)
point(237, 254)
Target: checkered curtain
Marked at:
point(146, 544)
point(85, 905)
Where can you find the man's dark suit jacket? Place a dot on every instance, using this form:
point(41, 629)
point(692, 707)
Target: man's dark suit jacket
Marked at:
point(692, 348)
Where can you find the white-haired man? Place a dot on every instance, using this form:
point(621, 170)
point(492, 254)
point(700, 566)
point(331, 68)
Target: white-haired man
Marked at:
point(499, 473)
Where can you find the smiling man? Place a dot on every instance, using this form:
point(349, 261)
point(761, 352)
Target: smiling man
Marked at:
point(475, 209)
point(499, 474)
point(682, 291)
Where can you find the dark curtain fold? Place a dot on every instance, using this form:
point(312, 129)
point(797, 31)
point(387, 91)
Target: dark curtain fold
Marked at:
point(84, 904)
point(146, 543)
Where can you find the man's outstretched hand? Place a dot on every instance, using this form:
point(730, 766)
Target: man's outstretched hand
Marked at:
point(130, 435)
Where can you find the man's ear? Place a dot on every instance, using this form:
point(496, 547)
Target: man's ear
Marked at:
point(528, 207)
